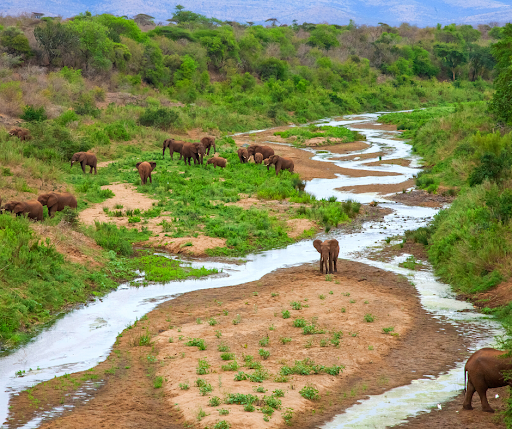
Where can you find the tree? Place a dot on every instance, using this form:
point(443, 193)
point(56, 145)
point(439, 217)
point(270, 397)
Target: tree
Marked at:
point(273, 21)
point(250, 23)
point(451, 55)
point(118, 27)
point(480, 60)
point(324, 37)
point(143, 19)
point(53, 37)
point(15, 41)
point(501, 104)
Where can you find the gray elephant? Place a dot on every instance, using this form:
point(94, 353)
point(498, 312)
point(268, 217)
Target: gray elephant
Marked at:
point(56, 201)
point(258, 158)
point(85, 158)
point(486, 368)
point(174, 146)
point(243, 156)
point(33, 209)
point(266, 151)
point(194, 151)
point(329, 251)
point(209, 142)
point(280, 163)
point(217, 161)
point(145, 168)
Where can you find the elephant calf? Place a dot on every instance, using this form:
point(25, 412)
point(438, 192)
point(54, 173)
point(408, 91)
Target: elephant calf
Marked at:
point(209, 142)
point(266, 151)
point(174, 146)
point(33, 209)
point(56, 201)
point(486, 369)
point(22, 133)
point(217, 161)
point(258, 158)
point(243, 156)
point(280, 163)
point(85, 158)
point(145, 168)
point(329, 251)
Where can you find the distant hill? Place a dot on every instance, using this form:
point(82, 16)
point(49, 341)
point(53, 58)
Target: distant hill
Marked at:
point(417, 12)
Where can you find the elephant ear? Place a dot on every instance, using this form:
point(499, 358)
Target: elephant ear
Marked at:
point(18, 207)
point(137, 165)
point(153, 165)
point(318, 245)
point(82, 157)
point(43, 198)
point(52, 200)
point(333, 245)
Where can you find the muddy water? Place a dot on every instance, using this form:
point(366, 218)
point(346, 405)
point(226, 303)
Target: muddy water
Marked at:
point(85, 336)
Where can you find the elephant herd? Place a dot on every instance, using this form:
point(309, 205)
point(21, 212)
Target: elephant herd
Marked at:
point(33, 209)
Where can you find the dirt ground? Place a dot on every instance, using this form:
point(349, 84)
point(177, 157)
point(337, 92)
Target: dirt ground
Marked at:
point(381, 189)
point(420, 197)
point(127, 397)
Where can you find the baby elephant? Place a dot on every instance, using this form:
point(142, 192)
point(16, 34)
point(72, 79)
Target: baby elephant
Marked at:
point(329, 250)
point(22, 133)
point(56, 201)
point(243, 156)
point(258, 158)
point(486, 368)
point(85, 158)
point(280, 163)
point(145, 168)
point(217, 161)
point(33, 209)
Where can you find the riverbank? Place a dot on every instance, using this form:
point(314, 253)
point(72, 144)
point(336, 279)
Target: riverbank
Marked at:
point(374, 361)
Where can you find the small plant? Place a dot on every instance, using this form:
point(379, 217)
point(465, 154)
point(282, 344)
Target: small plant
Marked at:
point(352, 301)
point(300, 322)
point(237, 320)
point(369, 318)
point(343, 309)
point(201, 414)
point(203, 367)
point(309, 344)
point(199, 321)
point(329, 278)
point(321, 296)
point(171, 339)
point(231, 366)
point(388, 330)
point(287, 416)
point(223, 424)
point(212, 321)
point(285, 340)
point(196, 342)
point(311, 329)
point(324, 342)
point(214, 402)
point(133, 219)
point(274, 294)
point(334, 370)
point(272, 328)
point(223, 348)
point(144, 340)
point(370, 347)
point(296, 305)
point(227, 356)
point(286, 314)
point(226, 312)
point(158, 382)
point(331, 292)
point(223, 412)
point(366, 302)
point(264, 342)
point(309, 392)
point(204, 390)
point(278, 393)
point(218, 334)
point(280, 378)
point(240, 376)
point(255, 293)
point(260, 389)
point(272, 401)
point(184, 386)
point(353, 334)
point(249, 407)
point(265, 354)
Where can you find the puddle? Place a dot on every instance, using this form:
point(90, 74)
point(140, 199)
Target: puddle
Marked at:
point(84, 337)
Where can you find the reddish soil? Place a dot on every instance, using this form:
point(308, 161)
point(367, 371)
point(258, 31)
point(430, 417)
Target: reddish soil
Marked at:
point(422, 198)
point(129, 399)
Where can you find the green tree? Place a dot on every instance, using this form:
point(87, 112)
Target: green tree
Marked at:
point(324, 37)
point(15, 41)
point(153, 69)
point(451, 55)
point(501, 104)
point(53, 37)
point(118, 26)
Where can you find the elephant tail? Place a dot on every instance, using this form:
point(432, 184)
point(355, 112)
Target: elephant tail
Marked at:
point(465, 371)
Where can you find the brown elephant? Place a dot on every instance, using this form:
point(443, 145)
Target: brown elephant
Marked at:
point(56, 201)
point(85, 158)
point(485, 370)
point(266, 151)
point(22, 133)
point(145, 168)
point(280, 163)
point(329, 251)
point(258, 158)
point(193, 150)
point(174, 146)
point(33, 209)
point(217, 161)
point(243, 156)
point(209, 142)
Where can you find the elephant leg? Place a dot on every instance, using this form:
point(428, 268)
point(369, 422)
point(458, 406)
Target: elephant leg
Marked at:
point(470, 391)
point(150, 179)
point(330, 264)
point(163, 154)
point(321, 265)
point(482, 392)
point(52, 210)
point(335, 263)
point(278, 169)
point(90, 172)
point(83, 166)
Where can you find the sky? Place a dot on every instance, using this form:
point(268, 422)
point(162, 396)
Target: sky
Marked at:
point(393, 12)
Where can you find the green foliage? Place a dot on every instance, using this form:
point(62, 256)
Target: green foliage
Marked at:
point(214, 401)
point(163, 118)
point(223, 424)
point(14, 41)
point(309, 392)
point(285, 314)
point(265, 354)
point(300, 322)
point(196, 342)
point(31, 114)
point(120, 240)
point(231, 366)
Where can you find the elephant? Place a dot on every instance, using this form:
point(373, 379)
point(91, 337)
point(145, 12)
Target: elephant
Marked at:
point(243, 156)
point(33, 209)
point(57, 201)
point(485, 370)
point(217, 161)
point(145, 168)
point(208, 142)
point(174, 146)
point(22, 133)
point(193, 150)
point(85, 158)
point(280, 163)
point(266, 151)
point(329, 251)
point(258, 158)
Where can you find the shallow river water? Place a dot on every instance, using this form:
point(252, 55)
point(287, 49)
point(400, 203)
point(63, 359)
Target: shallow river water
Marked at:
point(84, 337)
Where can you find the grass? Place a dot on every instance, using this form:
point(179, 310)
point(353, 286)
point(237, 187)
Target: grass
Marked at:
point(227, 356)
point(265, 354)
point(301, 134)
point(300, 322)
point(203, 367)
point(196, 342)
point(231, 366)
point(310, 392)
point(296, 305)
point(369, 318)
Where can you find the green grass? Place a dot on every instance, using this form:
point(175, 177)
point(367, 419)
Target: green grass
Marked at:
point(305, 133)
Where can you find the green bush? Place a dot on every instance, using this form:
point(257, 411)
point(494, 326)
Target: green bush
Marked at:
point(163, 118)
point(31, 114)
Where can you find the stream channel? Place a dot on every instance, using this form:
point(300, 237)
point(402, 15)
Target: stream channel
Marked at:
point(84, 337)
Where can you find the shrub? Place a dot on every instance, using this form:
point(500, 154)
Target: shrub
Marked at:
point(196, 342)
point(162, 118)
point(296, 305)
point(265, 354)
point(309, 392)
point(214, 402)
point(203, 367)
point(31, 114)
point(223, 424)
point(300, 322)
point(264, 342)
point(227, 356)
point(286, 314)
point(369, 318)
point(231, 366)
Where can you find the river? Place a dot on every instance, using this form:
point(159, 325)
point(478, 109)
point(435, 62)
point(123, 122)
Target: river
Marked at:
point(84, 337)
